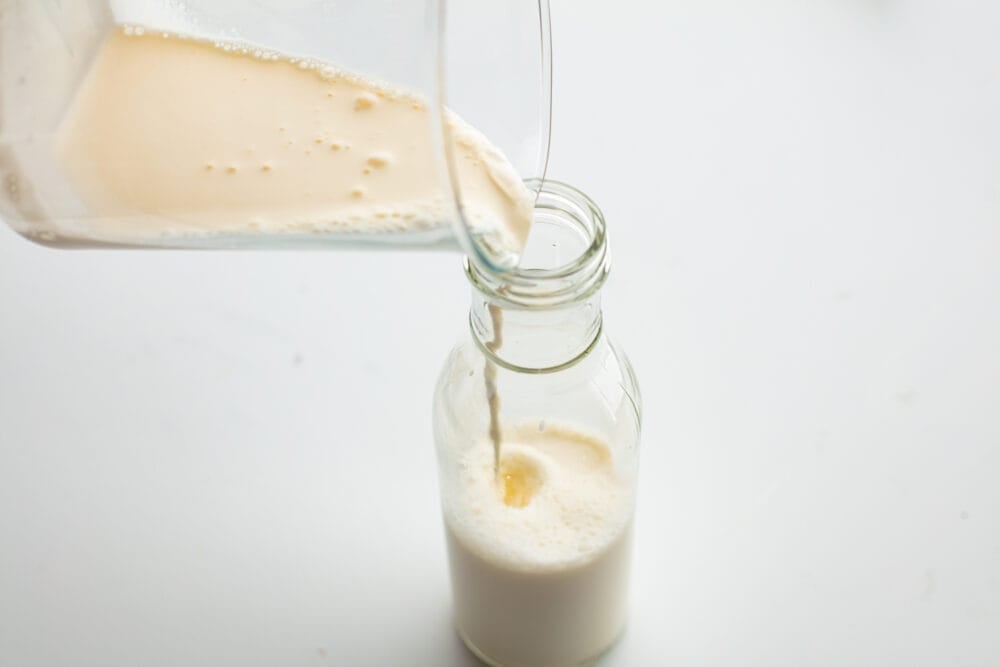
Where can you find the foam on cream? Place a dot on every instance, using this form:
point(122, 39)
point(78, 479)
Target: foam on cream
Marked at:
point(577, 508)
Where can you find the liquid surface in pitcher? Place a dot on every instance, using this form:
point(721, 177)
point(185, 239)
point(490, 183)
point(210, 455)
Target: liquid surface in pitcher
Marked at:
point(170, 136)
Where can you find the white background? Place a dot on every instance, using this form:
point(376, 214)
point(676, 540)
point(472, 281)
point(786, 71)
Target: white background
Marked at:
point(226, 459)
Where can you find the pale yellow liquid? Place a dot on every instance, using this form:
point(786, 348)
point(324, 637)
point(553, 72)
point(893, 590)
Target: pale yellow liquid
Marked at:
point(171, 136)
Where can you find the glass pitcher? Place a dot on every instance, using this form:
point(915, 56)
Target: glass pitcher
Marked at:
point(274, 123)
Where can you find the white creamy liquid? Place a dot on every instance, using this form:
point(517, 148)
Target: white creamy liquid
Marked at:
point(540, 554)
point(170, 136)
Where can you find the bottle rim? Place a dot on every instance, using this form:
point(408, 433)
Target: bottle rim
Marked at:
point(548, 287)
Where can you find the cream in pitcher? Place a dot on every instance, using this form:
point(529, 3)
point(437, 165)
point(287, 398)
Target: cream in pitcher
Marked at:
point(176, 136)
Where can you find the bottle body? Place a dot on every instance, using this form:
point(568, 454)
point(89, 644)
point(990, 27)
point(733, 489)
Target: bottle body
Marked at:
point(544, 583)
point(536, 423)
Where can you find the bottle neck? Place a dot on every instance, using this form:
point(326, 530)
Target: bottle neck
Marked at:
point(545, 314)
point(535, 339)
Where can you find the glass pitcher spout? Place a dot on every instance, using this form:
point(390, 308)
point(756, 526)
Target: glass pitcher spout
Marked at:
point(230, 125)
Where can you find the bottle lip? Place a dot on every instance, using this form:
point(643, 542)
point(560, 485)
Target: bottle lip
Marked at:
point(571, 282)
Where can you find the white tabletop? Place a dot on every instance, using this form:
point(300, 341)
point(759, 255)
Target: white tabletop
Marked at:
point(226, 459)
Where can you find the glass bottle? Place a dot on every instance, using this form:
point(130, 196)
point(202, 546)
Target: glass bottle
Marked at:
point(151, 142)
point(539, 527)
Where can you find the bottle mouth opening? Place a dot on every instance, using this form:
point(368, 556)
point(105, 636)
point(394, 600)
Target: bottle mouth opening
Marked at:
point(565, 259)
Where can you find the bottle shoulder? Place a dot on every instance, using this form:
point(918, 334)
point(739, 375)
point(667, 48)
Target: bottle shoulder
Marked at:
point(605, 365)
point(598, 395)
